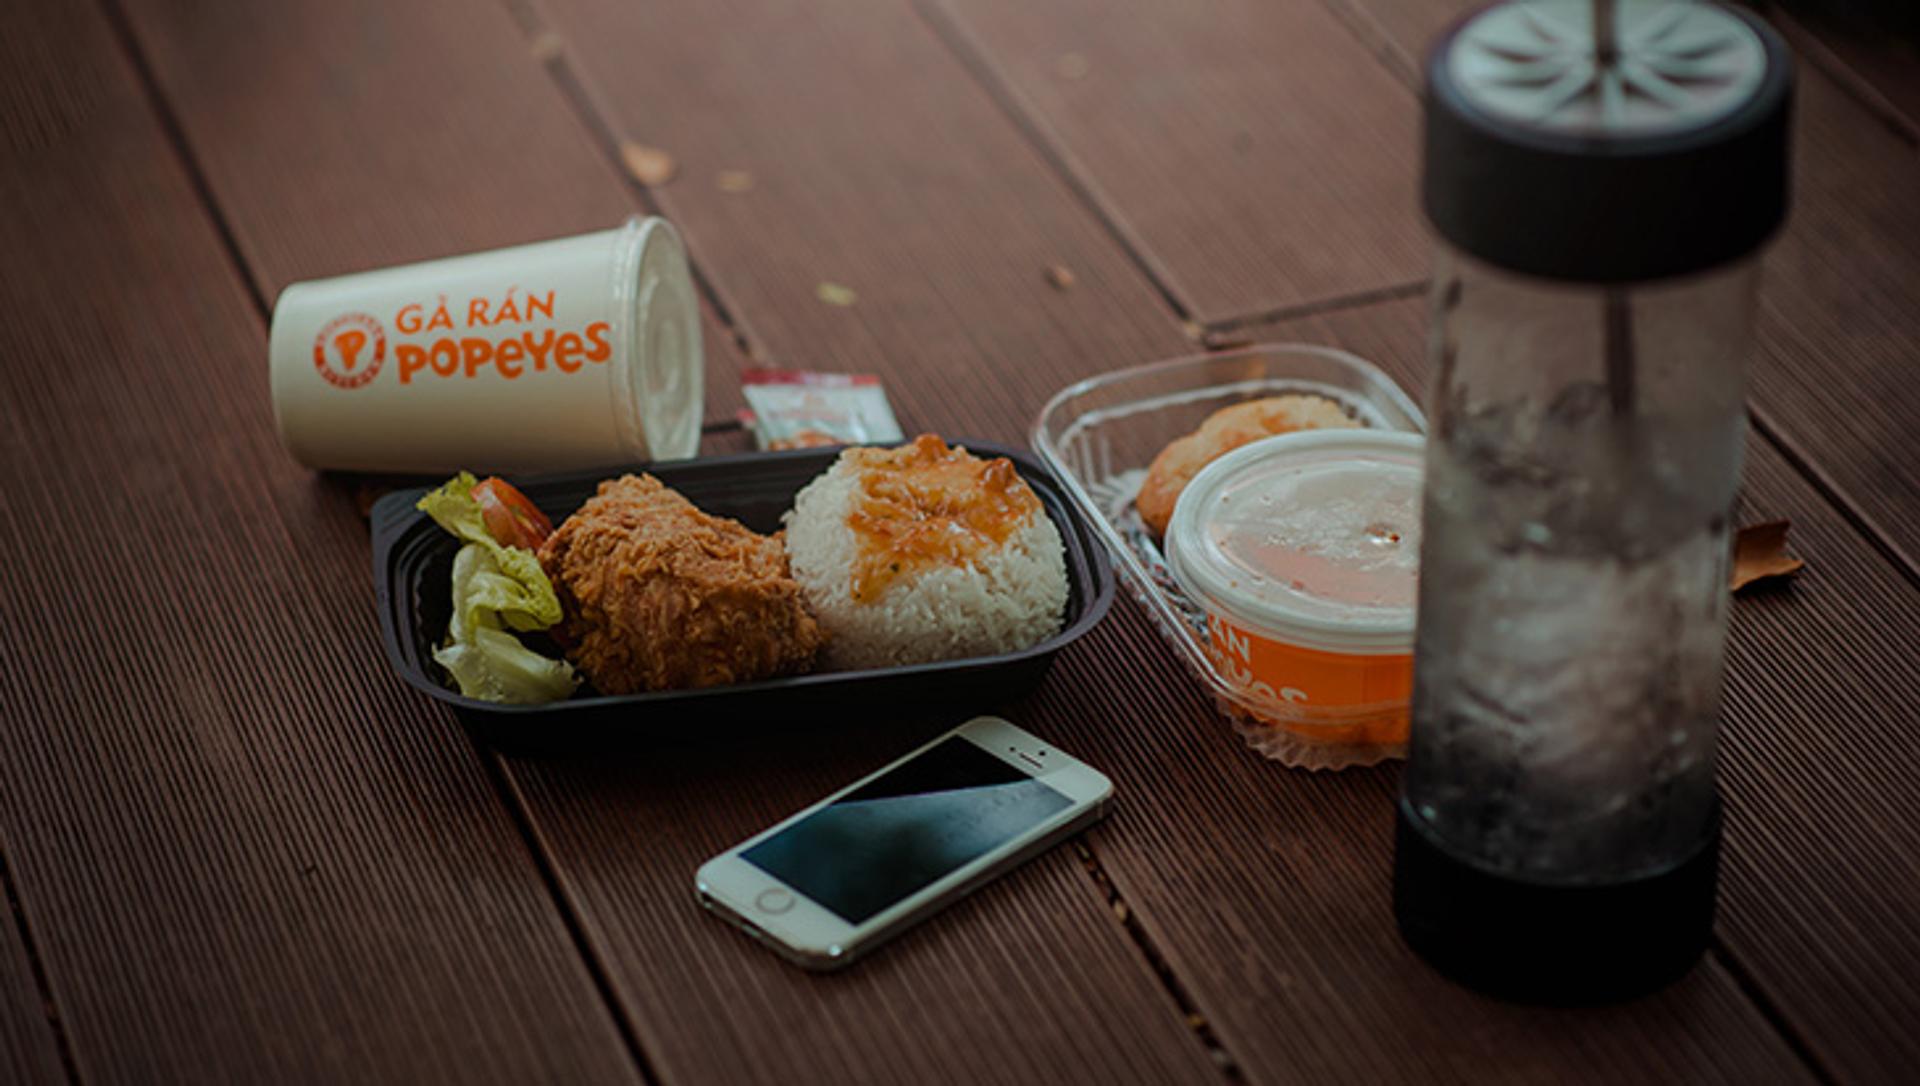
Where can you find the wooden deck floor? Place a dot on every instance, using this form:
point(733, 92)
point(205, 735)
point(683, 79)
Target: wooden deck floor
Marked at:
point(236, 848)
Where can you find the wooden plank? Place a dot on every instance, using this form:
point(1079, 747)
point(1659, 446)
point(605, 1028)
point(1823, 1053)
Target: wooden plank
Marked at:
point(1402, 31)
point(1818, 768)
point(1030, 980)
point(1870, 46)
point(360, 156)
point(625, 837)
point(29, 1047)
point(1267, 891)
point(1264, 890)
point(928, 204)
point(1253, 154)
point(247, 853)
point(1715, 1015)
point(1836, 323)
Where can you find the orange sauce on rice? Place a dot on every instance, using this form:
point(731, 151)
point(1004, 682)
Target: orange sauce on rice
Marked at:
point(924, 504)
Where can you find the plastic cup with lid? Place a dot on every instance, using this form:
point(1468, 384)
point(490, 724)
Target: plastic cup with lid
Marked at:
point(1303, 550)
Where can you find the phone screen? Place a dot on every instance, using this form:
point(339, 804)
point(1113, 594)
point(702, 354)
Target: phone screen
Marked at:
point(899, 832)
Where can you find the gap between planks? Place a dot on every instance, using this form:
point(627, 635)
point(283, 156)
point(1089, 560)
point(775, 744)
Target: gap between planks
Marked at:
point(41, 983)
point(549, 49)
point(1169, 980)
point(509, 797)
point(1227, 332)
point(1908, 565)
point(580, 97)
point(971, 56)
point(972, 60)
point(1383, 46)
point(176, 138)
point(570, 911)
point(1814, 50)
point(1749, 986)
point(582, 102)
point(1317, 307)
point(1217, 333)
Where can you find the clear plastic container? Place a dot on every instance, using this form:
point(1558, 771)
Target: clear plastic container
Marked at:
point(1101, 434)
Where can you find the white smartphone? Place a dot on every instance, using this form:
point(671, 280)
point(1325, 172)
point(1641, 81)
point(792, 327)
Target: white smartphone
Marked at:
point(890, 850)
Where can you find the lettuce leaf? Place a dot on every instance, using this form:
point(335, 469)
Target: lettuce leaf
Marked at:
point(484, 596)
point(535, 606)
point(487, 662)
point(452, 507)
point(494, 666)
point(495, 586)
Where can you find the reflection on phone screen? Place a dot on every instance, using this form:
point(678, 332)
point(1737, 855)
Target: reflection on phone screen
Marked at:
point(892, 836)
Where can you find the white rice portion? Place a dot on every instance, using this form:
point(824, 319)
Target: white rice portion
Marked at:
point(1012, 597)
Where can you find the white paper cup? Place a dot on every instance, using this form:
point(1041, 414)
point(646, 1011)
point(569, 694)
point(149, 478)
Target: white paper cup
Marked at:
point(575, 352)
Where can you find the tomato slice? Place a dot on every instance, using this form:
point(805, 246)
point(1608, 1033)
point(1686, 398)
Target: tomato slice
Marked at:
point(511, 519)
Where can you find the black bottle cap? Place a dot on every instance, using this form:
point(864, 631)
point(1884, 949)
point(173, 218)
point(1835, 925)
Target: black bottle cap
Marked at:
point(1666, 158)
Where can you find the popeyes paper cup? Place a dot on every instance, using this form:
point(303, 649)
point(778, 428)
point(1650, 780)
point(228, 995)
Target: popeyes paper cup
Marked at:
point(574, 352)
point(1303, 550)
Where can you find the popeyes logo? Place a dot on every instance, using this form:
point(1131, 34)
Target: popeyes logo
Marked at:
point(485, 340)
point(349, 350)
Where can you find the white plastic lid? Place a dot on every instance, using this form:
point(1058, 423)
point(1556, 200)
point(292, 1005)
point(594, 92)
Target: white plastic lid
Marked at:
point(1312, 537)
point(659, 397)
point(1662, 66)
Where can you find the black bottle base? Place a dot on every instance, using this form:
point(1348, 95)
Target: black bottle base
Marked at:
point(1547, 943)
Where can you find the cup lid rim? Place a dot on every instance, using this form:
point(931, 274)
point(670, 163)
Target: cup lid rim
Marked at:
point(1217, 589)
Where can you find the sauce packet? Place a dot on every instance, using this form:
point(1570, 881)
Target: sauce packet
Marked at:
point(794, 409)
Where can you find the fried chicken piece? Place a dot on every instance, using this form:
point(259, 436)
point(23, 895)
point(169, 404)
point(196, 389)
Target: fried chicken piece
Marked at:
point(661, 596)
point(1222, 432)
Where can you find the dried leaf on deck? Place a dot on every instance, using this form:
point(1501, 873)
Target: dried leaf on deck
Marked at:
point(1060, 276)
point(835, 294)
point(648, 165)
point(548, 46)
point(1760, 554)
point(735, 181)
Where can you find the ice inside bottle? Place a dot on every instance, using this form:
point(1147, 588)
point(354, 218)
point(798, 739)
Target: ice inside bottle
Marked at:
point(1601, 177)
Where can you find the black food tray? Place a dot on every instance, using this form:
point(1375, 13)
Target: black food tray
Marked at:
point(413, 565)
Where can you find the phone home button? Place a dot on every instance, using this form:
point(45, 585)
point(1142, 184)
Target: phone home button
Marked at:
point(774, 900)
